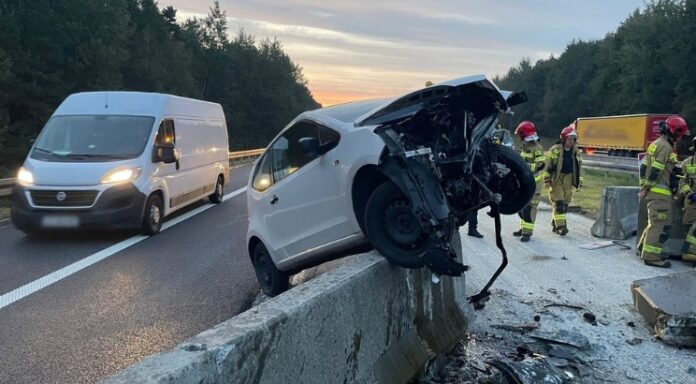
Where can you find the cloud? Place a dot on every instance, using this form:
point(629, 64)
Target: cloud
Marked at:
point(362, 49)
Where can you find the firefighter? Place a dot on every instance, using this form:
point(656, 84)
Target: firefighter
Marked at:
point(687, 191)
point(533, 154)
point(562, 173)
point(655, 180)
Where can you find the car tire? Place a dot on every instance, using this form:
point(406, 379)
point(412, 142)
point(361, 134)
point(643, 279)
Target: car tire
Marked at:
point(273, 281)
point(393, 229)
point(219, 193)
point(153, 215)
point(518, 186)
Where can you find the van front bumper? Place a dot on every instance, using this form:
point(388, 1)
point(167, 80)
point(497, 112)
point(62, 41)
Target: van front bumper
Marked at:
point(118, 207)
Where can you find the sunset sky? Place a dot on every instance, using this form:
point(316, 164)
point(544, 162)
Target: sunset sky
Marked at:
point(352, 50)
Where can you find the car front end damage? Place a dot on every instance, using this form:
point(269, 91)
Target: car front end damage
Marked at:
point(440, 154)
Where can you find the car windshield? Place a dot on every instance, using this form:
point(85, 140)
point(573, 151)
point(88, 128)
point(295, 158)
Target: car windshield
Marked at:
point(93, 138)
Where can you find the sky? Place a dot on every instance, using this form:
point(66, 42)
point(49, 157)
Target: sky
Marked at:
point(352, 50)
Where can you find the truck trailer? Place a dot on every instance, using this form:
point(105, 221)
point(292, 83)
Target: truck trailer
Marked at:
point(625, 135)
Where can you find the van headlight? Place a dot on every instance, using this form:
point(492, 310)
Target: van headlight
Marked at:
point(121, 175)
point(25, 177)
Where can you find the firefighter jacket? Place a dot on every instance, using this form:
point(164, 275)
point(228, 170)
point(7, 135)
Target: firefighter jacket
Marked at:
point(656, 169)
point(533, 155)
point(554, 164)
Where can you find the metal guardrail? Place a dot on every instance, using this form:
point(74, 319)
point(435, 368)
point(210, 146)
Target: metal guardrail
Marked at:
point(6, 186)
point(607, 165)
point(236, 158)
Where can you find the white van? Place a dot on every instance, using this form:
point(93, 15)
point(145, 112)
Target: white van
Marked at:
point(121, 160)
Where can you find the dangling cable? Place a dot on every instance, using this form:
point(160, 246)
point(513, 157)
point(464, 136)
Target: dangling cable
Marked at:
point(477, 299)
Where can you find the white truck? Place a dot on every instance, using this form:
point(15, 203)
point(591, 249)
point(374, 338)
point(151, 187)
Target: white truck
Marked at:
point(121, 160)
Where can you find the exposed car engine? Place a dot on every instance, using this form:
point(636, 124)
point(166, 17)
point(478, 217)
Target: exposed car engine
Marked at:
point(444, 162)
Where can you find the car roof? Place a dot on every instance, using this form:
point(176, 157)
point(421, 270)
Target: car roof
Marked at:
point(348, 112)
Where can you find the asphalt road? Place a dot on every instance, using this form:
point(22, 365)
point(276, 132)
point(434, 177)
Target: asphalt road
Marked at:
point(143, 299)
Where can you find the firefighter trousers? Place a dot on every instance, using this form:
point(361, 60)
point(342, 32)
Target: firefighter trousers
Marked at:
point(689, 247)
point(658, 229)
point(560, 194)
point(528, 214)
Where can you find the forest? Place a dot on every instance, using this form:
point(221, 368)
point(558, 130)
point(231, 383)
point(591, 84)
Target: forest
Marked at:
point(645, 66)
point(51, 49)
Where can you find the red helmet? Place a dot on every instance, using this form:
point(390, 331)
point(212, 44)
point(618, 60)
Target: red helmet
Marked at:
point(677, 126)
point(526, 131)
point(569, 131)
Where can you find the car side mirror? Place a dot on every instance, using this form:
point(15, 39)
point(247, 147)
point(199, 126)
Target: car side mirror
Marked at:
point(310, 146)
point(517, 98)
point(166, 154)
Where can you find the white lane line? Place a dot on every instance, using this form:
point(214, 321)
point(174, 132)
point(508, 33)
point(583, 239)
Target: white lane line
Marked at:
point(43, 282)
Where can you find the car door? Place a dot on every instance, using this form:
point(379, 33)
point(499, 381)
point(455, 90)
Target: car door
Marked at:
point(166, 136)
point(308, 204)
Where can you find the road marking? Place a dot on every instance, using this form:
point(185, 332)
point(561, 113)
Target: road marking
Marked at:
point(77, 266)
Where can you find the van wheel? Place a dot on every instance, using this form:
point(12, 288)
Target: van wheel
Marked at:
point(393, 229)
point(152, 218)
point(272, 280)
point(219, 193)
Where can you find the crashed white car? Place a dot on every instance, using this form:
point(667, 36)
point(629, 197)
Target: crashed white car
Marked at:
point(396, 174)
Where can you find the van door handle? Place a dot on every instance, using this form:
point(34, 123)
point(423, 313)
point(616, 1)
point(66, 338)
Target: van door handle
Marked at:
point(274, 199)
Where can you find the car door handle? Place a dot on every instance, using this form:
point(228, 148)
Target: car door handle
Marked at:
point(274, 199)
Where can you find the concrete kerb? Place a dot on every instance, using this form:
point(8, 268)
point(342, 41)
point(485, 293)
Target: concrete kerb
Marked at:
point(362, 322)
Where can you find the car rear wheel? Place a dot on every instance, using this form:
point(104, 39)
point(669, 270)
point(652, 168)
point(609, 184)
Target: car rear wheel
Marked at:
point(219, 194)
point(153, 215)
point(518, 186)
point(393, 229)
point(272, 280)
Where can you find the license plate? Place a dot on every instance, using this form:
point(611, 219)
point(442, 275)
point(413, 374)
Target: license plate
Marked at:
point(60, 221)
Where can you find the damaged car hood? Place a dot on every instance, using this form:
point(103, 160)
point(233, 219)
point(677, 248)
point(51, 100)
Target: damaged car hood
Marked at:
point(477, 86)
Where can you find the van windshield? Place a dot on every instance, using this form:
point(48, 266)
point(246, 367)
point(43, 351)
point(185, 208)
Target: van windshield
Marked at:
point(93, 138)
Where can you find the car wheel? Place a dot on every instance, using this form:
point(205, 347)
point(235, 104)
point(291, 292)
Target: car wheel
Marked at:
point(153, 215)
point(272, 280)
point(518, 186)
point(219, 193)
point(393, 229)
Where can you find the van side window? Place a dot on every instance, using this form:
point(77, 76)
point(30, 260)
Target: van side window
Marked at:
point(286, 152)
point(166, 134)
point(262, 174)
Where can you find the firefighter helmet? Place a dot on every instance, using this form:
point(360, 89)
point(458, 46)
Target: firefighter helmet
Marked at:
point(569, 131)
point(527, 131)
point(677, 126)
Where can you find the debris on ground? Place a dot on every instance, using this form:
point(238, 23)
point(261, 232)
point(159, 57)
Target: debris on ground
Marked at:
point(634, 341)
point(522, 327)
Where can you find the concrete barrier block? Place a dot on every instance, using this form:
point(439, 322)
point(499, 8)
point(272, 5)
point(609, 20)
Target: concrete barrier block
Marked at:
point(363, 322)
point(668, 306)
point(618, 213)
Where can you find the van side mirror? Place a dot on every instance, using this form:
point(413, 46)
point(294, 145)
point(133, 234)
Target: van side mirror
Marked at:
point(310, 146)
point(165, 153)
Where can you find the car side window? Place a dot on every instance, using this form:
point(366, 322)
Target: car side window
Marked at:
point(327, 135)
point(166, 134)
point(262, 174)
point(286, 153)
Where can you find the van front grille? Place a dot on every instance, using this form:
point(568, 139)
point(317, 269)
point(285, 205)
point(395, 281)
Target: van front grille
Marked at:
point(58, 198)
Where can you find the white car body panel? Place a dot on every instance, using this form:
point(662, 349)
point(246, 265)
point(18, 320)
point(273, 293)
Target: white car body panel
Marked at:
point(314, 214)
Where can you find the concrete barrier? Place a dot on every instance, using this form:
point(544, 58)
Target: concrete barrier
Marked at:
point(618, 213)
point(363, 322)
